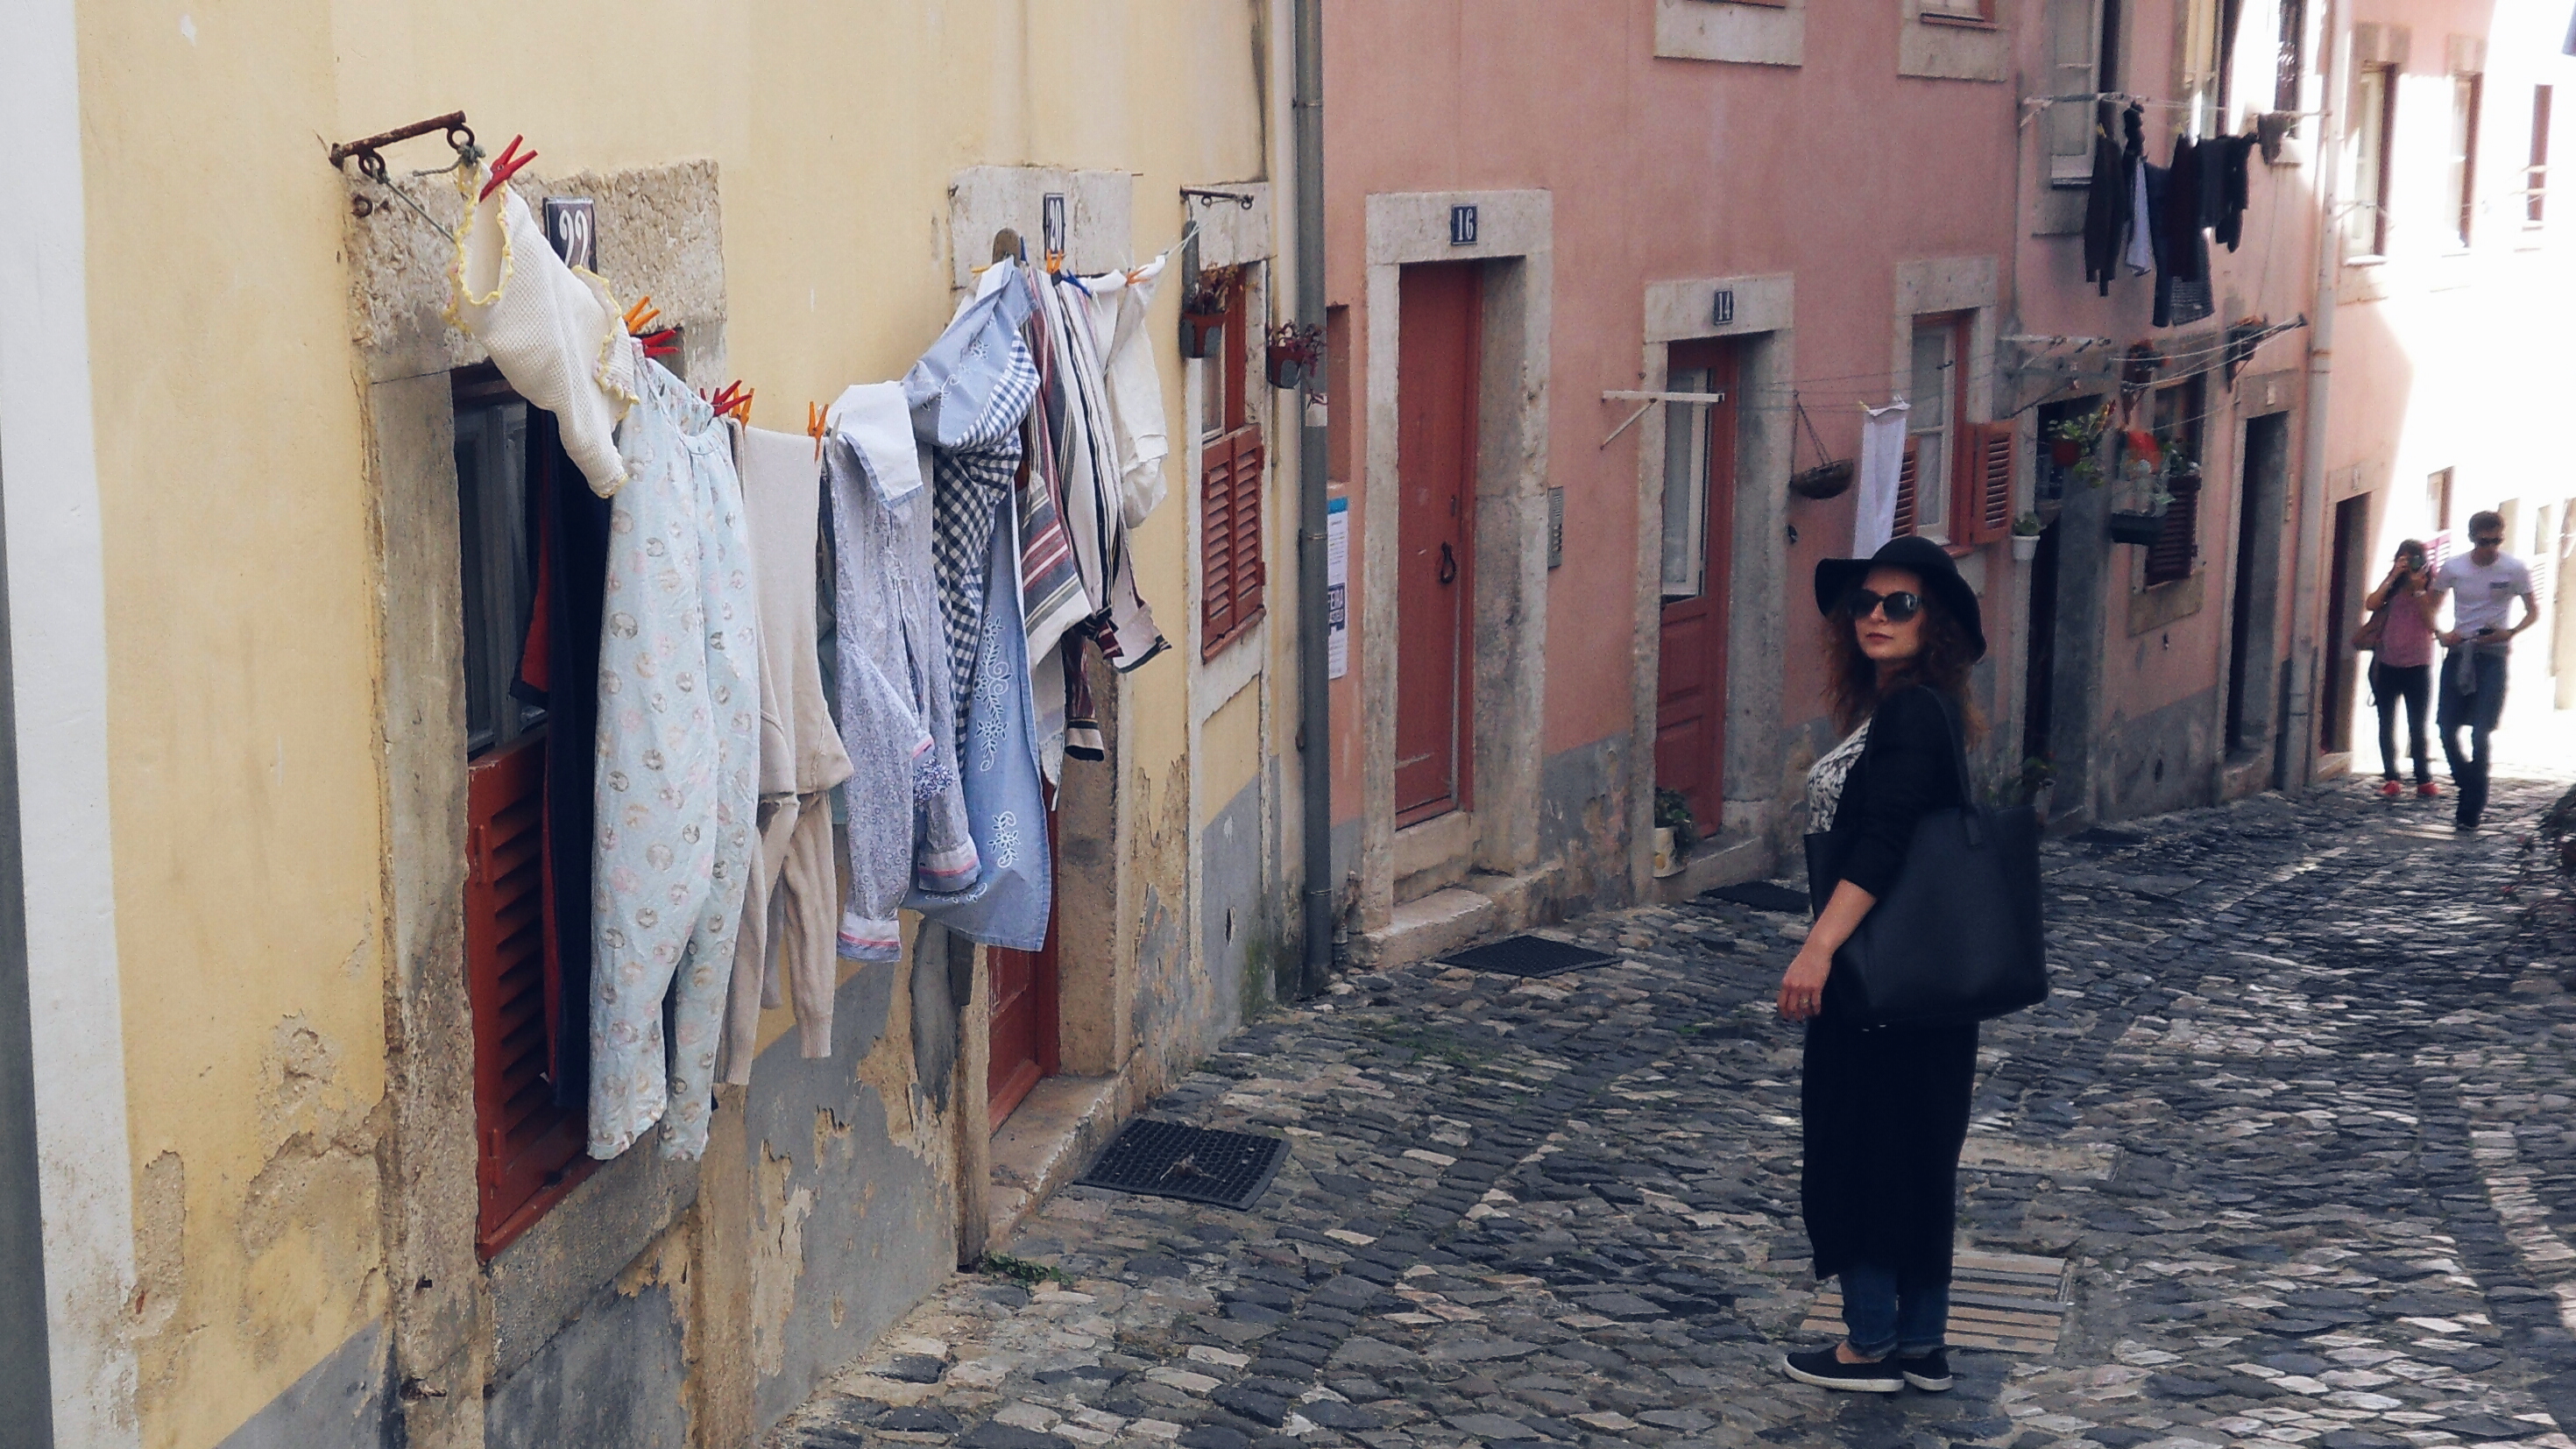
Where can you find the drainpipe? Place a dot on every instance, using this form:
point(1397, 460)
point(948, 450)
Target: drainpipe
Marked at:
point(1314, 710)
point(2300, 727)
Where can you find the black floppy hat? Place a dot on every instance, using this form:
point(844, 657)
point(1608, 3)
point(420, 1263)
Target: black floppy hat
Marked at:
point(1920, 556)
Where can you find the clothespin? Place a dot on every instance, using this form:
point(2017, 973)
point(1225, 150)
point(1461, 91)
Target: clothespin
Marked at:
point(1054, 263)
point(661, 344)
point(814, 428)
point(741, 408)
point(641, 315)
point(732, 396)
point(505, 166)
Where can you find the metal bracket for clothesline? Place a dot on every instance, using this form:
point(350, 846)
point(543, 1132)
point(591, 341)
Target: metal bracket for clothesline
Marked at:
point(1205, 197)
point(1649, 399)
point(368, 152)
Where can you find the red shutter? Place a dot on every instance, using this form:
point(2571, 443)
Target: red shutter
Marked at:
point(1984, 507)
point(1905, 493)
point(2170, 557)
point(527, 1150)
point(1231, 571)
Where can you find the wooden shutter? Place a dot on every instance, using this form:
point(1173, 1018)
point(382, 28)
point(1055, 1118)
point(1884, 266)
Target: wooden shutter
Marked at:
point(528, 1151)
point(1232, 573)
point(1905, 493)
point(1983, 506)
point(2170, 557)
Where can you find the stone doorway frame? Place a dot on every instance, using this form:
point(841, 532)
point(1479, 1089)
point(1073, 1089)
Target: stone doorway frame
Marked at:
point(1763, 329)
point(1515, 239)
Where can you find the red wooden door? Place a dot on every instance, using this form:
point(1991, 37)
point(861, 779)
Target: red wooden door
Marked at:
point(1699, 494)
point(1441, 324)
point(1022, 1034)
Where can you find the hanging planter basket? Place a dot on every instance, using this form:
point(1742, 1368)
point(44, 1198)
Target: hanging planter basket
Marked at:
point(1830, 477)
point(1205, 309)
point(1296, 356)
point(2137, 528)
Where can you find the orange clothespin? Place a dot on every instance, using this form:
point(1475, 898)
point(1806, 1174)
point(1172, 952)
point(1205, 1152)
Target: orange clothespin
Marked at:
point(641, 315)
point(814, 429)
point(505, 166)
point(1054, 263)
point(741, 408)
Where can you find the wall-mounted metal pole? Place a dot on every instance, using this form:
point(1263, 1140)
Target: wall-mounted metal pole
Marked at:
point(1314, 710)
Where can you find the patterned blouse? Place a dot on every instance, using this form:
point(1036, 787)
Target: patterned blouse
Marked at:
point(1825, 781)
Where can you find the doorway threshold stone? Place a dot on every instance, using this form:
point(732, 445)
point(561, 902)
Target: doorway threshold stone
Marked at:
point(1058, 1128)
point(1727, 860)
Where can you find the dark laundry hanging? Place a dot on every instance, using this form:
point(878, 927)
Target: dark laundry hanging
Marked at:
point(2182, 253)
point(2235, 189)
point(2106, 203)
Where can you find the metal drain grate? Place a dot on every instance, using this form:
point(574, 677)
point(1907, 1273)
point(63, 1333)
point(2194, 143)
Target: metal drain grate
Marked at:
point(2007, 1301)
point(1531, 956)
point(1194, 1164)
point(1761, 895)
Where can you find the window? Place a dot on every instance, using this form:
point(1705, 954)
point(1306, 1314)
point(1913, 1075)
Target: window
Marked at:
point(2176, 415)
point(1972, 11)
point(1686, 487)
point(2080, 44)
point(2374, 124)
point(2535, 176)
point(2204, 66)
point(2466, 92)
point(1955, 484)
point(2437, 502)
point(529, 1117)
point(2289, 59)
point(1939, 401)
point(1231, 461)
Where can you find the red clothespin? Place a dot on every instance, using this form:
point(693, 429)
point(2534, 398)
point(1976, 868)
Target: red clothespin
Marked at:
point(664, 343)
point(733, 395)
point(641, 315)
point(505, 166)
point(814, 428)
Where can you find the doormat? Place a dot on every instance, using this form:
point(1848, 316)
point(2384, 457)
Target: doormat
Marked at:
point(2010, 1302)
point(1194, 1164)
point(1761, 895)
point(1531, 956)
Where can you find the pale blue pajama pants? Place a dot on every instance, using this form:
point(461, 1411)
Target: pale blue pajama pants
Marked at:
point(677, 781)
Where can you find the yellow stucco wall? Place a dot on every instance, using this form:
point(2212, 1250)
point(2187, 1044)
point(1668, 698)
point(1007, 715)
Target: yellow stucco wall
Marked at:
point(244, 725)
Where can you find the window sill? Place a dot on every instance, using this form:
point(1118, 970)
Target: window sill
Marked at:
point(2373, 260)
point(1968, 22)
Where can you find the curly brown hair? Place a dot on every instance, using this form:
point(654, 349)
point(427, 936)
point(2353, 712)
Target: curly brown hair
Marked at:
point(1851, 678)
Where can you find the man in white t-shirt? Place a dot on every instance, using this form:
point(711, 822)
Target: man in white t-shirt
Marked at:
point(2484, 583)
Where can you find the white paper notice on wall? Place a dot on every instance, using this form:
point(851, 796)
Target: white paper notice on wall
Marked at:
point(1337, 587)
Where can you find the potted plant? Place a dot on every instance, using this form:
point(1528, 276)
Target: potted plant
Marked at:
point(2025, 538)
point(1296, 356)
point(2074, 447)
point(1673, 831)
point(1203, 313)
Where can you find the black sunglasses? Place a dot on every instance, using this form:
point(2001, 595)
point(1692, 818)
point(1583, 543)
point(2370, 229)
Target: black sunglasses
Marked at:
point(2490, 541)
point(1902, 605)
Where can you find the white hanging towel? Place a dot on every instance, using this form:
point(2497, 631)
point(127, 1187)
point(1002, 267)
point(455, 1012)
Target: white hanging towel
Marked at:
point(1882, 457)
point(1118, 309)
point(553, 330)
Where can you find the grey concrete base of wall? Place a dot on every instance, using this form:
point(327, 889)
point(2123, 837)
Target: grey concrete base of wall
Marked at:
point(340, 1401)
point(2158, 761)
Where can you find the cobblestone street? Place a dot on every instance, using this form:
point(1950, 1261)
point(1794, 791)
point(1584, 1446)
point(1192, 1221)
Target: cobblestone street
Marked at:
point(2297, 1116)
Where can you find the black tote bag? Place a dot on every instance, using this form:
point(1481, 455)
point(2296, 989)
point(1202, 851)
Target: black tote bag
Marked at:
point(1958, 937)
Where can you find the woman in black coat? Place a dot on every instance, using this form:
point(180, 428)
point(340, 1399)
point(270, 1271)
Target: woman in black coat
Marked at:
point(1886, 1110)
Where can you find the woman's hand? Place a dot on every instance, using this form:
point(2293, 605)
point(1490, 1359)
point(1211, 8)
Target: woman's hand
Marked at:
point(1802, 986)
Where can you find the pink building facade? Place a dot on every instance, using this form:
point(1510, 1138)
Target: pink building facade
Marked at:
point(1609, 285)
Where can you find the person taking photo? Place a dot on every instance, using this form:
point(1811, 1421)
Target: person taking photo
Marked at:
point(2401, 666)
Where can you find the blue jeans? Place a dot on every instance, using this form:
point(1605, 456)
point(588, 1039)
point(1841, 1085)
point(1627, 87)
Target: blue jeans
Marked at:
point(2473, 681)
point(1882, 1310)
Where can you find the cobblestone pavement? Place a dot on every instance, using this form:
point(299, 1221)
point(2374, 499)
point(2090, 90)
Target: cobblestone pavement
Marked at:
point(2298, 1113)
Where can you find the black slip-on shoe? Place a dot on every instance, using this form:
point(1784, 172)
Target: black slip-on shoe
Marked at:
point(1929, 1372)
point(1826, 1370)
